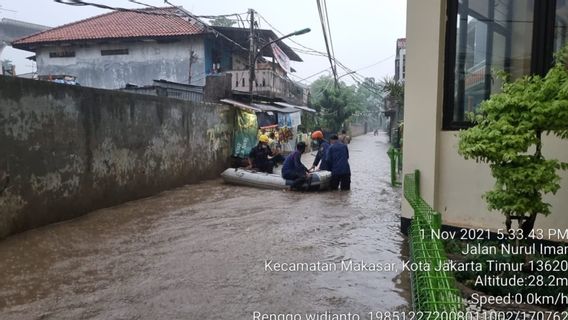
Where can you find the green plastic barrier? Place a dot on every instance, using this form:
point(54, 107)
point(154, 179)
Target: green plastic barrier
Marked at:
point(395, 156)
point(432, 290)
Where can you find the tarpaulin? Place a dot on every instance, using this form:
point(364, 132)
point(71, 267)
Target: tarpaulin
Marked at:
point(245, 134)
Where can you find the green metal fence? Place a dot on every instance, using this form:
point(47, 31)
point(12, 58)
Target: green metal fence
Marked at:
point(433, 288)
point(395, 156)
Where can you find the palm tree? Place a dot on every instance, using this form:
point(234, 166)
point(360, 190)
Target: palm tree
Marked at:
point(394, 102)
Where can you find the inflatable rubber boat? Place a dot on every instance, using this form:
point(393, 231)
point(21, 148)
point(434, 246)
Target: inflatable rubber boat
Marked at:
point(241, 176)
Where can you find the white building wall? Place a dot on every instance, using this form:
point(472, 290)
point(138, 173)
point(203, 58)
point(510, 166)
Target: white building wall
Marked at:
point(450, 184)
point(423, 94)
point(145, 62)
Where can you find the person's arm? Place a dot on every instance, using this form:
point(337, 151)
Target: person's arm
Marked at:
point(316, 160)
point(298, 162)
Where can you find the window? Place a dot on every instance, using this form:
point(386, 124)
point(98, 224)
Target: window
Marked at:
point(114, 52)
point(62, 54)
point(484, 37)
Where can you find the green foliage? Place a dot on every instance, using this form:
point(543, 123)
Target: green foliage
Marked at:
point(335, 104)
point(394, 90)
point(221, 22)
point(508, 135)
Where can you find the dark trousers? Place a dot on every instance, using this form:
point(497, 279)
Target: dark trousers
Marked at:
point(267, 167)
point(298, 178)
point(278, 159)
point(343, 180)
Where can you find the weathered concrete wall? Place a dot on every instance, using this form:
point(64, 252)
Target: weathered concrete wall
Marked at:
point(357, 129)
point(67, 150)
point(145, 62)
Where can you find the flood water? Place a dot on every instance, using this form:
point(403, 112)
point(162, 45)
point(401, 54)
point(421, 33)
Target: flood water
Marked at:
point(201, 252)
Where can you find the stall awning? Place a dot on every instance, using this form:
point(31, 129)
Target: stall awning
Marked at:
point(287, 105)
point(241, 105)
point(273, 108)
point(280, 107)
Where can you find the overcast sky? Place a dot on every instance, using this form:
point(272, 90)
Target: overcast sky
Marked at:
point(364, 32)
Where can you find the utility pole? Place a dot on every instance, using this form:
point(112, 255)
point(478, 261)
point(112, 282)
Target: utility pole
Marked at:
point(252, 54)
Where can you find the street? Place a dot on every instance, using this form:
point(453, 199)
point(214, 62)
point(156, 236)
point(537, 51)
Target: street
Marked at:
point(201, 252)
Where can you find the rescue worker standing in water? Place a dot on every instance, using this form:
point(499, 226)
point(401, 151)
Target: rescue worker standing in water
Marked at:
point(338, 164)
point(260, 156)
point(321, 156)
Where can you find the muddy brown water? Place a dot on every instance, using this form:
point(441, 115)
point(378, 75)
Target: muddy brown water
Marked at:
point(201, 252)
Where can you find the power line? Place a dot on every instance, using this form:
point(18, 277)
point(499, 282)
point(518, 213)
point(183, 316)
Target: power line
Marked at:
point(149, 12)
point(314, 52)
point(213, 16)
point(2, 9)
point(215, 32)
point(329, 28)
point(324, 30)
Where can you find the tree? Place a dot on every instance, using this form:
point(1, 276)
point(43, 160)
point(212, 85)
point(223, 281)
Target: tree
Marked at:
point(335, 104)
point(394, 91)
point(508, 135)
point(221, 22)
point(371, 95)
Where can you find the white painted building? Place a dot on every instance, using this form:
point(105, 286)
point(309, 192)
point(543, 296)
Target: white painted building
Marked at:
point(452, 48)
point(140, 46)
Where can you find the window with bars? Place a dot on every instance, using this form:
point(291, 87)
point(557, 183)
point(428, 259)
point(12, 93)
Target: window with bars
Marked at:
point(114, 52)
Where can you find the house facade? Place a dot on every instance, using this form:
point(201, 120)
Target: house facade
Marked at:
point(137, 47)
point(453, 50)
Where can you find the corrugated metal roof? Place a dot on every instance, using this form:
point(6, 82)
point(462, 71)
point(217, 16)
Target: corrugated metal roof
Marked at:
point(270, 107)
point(284, 104)
point(241, 105)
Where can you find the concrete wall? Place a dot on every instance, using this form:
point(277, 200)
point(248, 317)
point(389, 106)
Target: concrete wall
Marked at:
point(451, 185)
point(357, 129)
point(67, 150)
point(145, 62)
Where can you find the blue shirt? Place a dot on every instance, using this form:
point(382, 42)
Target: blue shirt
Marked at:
point(337, 159)
point(293, 164)
point(322, 155)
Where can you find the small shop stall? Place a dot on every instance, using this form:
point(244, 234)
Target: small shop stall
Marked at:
point(254, 119)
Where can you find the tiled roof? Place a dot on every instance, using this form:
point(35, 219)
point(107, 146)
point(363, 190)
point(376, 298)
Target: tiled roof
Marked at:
point(146, 23)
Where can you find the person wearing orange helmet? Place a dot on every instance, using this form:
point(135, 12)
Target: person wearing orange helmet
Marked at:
point(321, 156)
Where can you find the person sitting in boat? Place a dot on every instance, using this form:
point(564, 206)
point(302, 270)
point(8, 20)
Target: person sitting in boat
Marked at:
point(293, 168)
point(276, 148)
point(260, 157)
point(321, 156)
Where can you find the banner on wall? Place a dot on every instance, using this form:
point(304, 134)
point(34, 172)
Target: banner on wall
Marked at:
point(245, 134)
point(290, 120)
point(281, 57)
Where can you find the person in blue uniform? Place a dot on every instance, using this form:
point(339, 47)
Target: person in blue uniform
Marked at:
point(338, 164)
point(260, 156)
point(321, 156)
point(294, 169)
